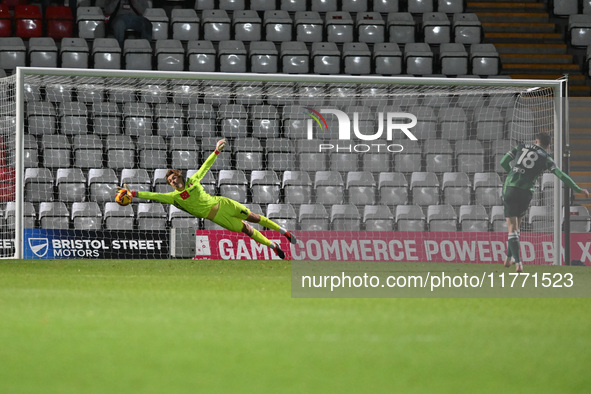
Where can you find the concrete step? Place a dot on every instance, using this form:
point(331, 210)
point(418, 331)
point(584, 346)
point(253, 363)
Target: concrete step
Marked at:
point(538, 59)
point(524, 38)
point(577, 132)
point(498, 6)
point(534, 68)
point(522, 17)
point(551, 49)
point(581, 176)
point(505, 27)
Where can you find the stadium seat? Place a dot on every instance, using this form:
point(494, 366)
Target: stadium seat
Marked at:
point(586, 7)
point(233, 184)
point(137, 119)
point(262, 5)
point(296, 187)
point(473, 218)
point(216, 25)
point(309, 157)
point(498, 149)
point(370, 27)
point(410, 218)
point(280, 93)
point(38, 184)
point(136, 178)
point(339, 27)
point(264, 187)
point(106, 53)
point(377, 162)
point(28, 21)
point(309, 26)
point(42, 52)
point(329, 187)
point(565, 8)
point(292, 5)
point(152, 152)
point(441, 218)
point(90, 92)
point(118, 217)
point(74, 53)
point(160, 22)
point(540, 219)
point(401, 27)
point(280, 154)
point(233, 120)
point(487, 188)
point(184, 152)
point(342, 161)
point(106, 118)
point(354, 5)
point(71, 184)
point(169, 119)
point(184, 24)
point(90, 22)
point(579, 30)
point(54, 215)
point(546, 188)
point(232, 56)
point(326, 58)
point(277, 25)
point(392, 188)
point(418, 59)
point(345, 217)
point(385, 6)
point(453, 123)
point(295, 57)
point(519, 118)
point(356, 58)
point(31, 151)
point(361, 188)
point(426, 127)
point(59, 22)
point(201, 56)
point(73, 117)
point(86, 216)
point(313, 217)
point(248, 152)
point(170, 55)
point(223, 161)
point(232, 5)
point(453, 59)
point(438, 156)
point(450, 6)
point(467, 29)
point(102, 184)
point(159, 184)
point(41, 117)
point(265, 121)
point(420, 6)
point(151, 216)
point(201, 120)
point(137, 54)
point(580, 221)
point(484, 60)
point(470, 156)
point(497, 219)
point(12, 53)
point(59, 93)
point(88, 151)
point(29, 215)
point(250, 95)
point(436, 28)
point(489, 123)
point(182, 219)
point(323, 5)
point(56, 151)
point(378, 218)
point(456, 188)
point(263, 57)
point(424, 188)
point(387, 58)
point(120, 151)
point(283, 214)
point(409, 160)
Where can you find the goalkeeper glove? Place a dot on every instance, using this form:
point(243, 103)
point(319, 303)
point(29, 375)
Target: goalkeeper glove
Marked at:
point(125, 187)
point(220, 146)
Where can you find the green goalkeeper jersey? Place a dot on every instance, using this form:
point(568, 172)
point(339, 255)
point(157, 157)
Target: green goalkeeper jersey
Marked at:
point(530, 162)
point(193, 198)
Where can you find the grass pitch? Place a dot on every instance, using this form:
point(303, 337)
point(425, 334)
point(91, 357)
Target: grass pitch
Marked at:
point(177, 326)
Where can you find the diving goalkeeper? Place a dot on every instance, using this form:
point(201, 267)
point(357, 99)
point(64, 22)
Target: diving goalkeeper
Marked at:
point(192, 198)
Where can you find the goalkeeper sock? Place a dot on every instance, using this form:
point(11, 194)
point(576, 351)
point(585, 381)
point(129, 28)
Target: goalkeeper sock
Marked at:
point(513, 244)
point(260, 238)
point(268, 223)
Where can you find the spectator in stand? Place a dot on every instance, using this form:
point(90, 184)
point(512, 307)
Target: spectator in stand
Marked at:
point(123, 15)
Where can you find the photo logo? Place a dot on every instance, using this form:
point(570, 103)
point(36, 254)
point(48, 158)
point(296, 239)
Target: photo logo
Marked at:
point(39, 246)
point(202, 247)
point(394, 122)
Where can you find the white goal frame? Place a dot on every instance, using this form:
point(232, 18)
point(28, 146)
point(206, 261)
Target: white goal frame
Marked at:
point(559, 88)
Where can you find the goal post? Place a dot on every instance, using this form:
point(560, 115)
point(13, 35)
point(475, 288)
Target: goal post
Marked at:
point(352, 127)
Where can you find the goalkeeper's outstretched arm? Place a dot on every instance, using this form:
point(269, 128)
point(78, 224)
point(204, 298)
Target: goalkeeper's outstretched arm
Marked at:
point(160, 197)
point(209, 162)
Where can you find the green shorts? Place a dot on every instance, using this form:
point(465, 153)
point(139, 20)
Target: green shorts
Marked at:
point(231, 214)
point(516, 201)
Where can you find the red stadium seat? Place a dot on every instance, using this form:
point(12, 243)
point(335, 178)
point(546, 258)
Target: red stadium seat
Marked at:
point(13, 3)
point(59, 22)
point(5, 21)
point(7, 184)
point(28, 20)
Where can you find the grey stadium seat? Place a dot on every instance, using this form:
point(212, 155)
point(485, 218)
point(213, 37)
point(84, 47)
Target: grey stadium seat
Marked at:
point(73, 118)
point(438, 156)
point(297, 187)
point(473, 218)
point(57, 151)
point(106, 53)
point(201, 56)
point(441, 218)
point(424, 188)
point(487, 188)
point(42, 52)
point(169, 120)
point(484, 59)
point(264, 187)
point(233, 184)
point(436, 28)
point(137, 54)
point(329, 187)
point(184, 152)
point(401, 27)
point(453, 59)
point(184, 24)
point(265, 121)
point(29, 214)
point(456, 188)
point(170, 55)
point(263, 57)
point(248, 153)
point(361, 188)
point(470, 156)
point(339, 27)
point(216, 25)
point(283, 214)
point(393, 188)
point(387, 58)
point(313, 217)
point(117, 217)
point(74, 52)
point(309, 26)
point(385, 6)
point(409, 160)
point(378, 218)
point(120, 151)
point(54, 215)
point(326, 58)
point(160, 22)
point(453, 123)
point(41, 117)
point(201, 120)
point(234, 120)
point(426, 127)
point(418, 59)
point(467, 29)
point(356, 58)
point(410, 218)
point(371, 27)
point(151, 216)
point(309, 157)
point(420, 6)
point(137, 119)
point(71, 184)
point(280, 154)
point(136, 178)
point(182, 219)
point(345, 217)
point(232, 56)
point(86, 216)
point(295, 57)
point(489, 123)
point(152, 152)
point(102, 184)
point(277, 25)
point(580, 221)
point(323, 5)
point(497, 219)
point(247, 25)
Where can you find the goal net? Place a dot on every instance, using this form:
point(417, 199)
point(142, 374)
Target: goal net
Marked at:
point(357, 167)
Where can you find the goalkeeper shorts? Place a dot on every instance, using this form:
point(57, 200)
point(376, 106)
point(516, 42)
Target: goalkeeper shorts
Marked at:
point(231, 214)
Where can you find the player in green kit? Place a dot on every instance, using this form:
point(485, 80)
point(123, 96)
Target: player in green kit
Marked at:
point(190, 196)
point(531, 160)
